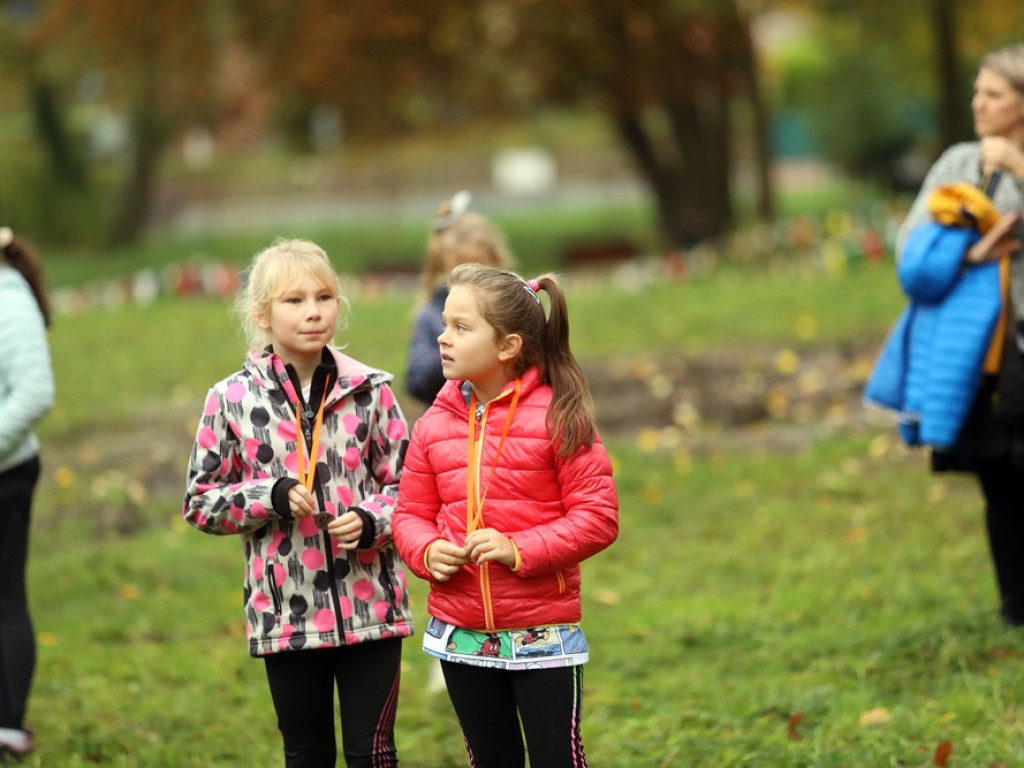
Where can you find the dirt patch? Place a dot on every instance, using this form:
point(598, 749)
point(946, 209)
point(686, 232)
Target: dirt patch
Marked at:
point(743, 391)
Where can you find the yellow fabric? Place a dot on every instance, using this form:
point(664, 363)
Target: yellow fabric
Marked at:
point(994, 357)
point(962, 205)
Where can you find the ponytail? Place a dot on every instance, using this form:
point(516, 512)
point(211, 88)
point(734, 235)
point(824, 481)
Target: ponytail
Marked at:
point(19, 254)
point(572, 406)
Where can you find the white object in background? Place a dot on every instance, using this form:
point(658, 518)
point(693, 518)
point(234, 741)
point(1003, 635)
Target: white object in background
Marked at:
point(524, 171)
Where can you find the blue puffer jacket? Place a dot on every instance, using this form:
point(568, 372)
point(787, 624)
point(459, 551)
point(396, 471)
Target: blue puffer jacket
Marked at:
point(931, 364)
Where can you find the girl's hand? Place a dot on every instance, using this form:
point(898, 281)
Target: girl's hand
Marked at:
point(347, 529)
point(1000, 154)
point(996, 242)
point(486, 545)
point(300, 501)
point(444, 559)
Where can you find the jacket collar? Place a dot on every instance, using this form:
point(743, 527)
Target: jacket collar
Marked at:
point(455, 395)
point(343, 374)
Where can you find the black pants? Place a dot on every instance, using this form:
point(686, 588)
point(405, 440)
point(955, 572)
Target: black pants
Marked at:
point(302, 686)
point(1002, 484)
point(17, 638)
point(491, 702)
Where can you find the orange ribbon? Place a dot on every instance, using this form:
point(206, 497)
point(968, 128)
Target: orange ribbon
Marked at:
point(306, 476)
point(474, 499)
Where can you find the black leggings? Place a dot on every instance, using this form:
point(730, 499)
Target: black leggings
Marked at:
point(17, 638)
point(302, 687)
point(491, 702)
point(1002, 484)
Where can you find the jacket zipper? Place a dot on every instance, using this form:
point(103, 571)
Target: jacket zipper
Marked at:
point(325, 538)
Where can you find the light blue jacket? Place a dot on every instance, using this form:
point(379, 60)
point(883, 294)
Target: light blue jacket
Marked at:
point(26, 374)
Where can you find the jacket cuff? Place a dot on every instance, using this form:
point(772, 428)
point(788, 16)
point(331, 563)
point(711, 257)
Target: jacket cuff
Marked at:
point(426, 551)
point(519, 557)
point(279, 496)
point(369, 534)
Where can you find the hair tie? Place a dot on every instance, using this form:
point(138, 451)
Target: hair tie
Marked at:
point(532, 287)
point(457, 206)
point(6, 237)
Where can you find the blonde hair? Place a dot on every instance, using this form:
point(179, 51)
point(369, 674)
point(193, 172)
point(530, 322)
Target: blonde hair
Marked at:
point(512, 305)
point(1009, 63)
point(271, 273)
point(467, 238)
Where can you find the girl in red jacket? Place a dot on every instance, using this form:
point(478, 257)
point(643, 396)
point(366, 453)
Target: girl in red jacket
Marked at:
point(506, 488)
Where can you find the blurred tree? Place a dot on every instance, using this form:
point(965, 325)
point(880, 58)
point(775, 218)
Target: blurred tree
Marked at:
point(877, 78)
point(46, 105)
point(668, 76)
point(671, 77)
point(158, 61)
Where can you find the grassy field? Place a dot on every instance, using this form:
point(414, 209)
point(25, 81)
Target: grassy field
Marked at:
point(831, 606)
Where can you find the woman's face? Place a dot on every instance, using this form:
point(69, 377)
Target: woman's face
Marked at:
point(998, 108)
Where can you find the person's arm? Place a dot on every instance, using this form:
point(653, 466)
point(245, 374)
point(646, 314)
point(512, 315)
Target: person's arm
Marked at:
point(414, 523)
point(218, 498)
point(424, 376)
point(385, 458)
point(590, 523)
point(26, 353)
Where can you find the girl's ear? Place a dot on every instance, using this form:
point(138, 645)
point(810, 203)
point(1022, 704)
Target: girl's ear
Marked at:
point(260, 316)
point(510, 347)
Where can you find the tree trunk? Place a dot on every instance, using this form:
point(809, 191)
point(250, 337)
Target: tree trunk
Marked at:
point(133, 203)
point(688, 192)
point(947, 62)
point(51, 129)
point(764, 193)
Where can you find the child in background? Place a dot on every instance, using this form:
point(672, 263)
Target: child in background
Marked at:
point(506, 489)
point(300, 454)
point(457, 236)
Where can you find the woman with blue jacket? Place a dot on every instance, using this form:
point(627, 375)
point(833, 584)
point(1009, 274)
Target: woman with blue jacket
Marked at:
point(984, 445)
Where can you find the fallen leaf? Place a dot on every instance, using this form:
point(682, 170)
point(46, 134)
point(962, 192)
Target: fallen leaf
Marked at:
point(794, 721)
point(876, 716)
point(942, 753)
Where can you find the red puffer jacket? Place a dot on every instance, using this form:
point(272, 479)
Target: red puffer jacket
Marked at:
point(558, 511)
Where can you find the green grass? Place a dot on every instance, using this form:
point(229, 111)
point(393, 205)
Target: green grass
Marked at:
point(760, 606)
point(746, 588)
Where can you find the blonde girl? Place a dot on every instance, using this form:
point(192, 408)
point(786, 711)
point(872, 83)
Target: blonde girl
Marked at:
point(506, 489)
point(457, 236)
point(299, 453)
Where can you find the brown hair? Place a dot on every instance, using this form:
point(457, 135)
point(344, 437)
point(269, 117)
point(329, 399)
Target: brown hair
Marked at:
point(465, 237)
point(20, 254)
point(1009, 63)
point(511, 305)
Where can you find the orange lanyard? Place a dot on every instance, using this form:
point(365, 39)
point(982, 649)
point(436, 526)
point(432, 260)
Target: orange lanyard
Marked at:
point(306, 477)
point(474, 499)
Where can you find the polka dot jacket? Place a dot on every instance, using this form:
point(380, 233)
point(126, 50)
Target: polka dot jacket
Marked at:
point(301, 590)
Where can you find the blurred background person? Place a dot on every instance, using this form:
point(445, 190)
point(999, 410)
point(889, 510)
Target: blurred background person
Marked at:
point(987, 445)
point(457, 236)
point(26, 395)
